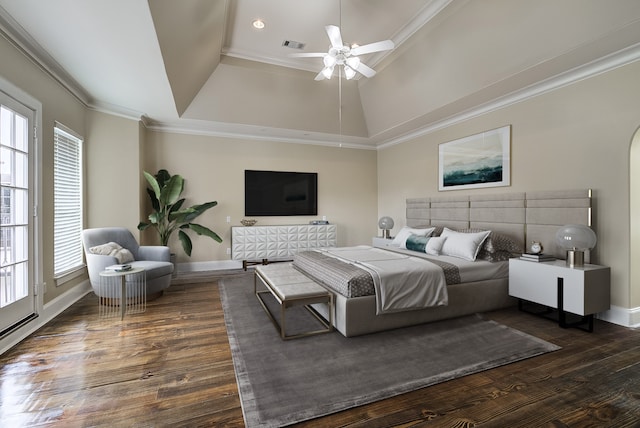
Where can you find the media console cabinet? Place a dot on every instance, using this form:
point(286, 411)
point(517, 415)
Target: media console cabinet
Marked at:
point(264, 244)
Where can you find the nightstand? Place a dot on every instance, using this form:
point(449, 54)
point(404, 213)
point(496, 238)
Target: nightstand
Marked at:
point(378, 241)
point(581, 290)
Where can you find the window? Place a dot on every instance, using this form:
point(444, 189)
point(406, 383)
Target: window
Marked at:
point(67, 193)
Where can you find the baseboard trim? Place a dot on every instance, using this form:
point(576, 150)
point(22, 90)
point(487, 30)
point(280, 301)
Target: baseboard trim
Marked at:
point(49, 311)
point(627, 317)
point(208, 266)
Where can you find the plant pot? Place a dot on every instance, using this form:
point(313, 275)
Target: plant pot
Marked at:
point(173, 258)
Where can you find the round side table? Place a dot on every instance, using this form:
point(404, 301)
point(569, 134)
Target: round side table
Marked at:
point(116, 285)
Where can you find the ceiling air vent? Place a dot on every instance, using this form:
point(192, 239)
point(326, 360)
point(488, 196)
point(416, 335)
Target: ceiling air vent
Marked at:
point(293, 44)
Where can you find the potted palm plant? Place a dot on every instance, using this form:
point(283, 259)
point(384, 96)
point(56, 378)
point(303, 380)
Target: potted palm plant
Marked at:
point(168, 215)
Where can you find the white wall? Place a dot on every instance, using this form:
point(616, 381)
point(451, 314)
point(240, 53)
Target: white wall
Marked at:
point(112, 171)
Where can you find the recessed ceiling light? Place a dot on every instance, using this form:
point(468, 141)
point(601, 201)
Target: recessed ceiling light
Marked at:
point(258, 24)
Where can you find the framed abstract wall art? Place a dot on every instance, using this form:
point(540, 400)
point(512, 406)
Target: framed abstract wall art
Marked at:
point(480, 160)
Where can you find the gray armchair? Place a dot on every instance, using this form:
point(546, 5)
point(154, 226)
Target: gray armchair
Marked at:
point(153, 259)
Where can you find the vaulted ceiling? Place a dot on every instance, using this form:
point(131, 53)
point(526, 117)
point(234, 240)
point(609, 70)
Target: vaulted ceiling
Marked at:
point(199, 66)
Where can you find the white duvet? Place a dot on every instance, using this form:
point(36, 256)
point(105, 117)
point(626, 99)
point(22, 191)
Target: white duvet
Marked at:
point(401, 282)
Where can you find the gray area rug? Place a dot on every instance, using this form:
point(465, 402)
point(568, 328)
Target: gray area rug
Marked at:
point(285, 382)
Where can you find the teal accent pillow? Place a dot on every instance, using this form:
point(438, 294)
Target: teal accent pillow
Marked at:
point(417, 243)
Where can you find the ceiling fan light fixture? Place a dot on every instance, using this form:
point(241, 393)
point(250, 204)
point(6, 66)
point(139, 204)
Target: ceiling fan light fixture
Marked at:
point(353, 62)
point(349, 72)
point(327, 72)
point(329, 61)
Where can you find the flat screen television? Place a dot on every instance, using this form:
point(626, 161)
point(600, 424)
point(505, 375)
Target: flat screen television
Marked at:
point(280, 193)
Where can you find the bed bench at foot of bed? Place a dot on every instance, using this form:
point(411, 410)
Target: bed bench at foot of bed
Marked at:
point(290, 288)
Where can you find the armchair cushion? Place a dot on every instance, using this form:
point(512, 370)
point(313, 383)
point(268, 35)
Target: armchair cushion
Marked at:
point(115, 250)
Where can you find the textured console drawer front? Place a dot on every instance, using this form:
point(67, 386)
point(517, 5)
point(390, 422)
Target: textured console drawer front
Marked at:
point(272, 242)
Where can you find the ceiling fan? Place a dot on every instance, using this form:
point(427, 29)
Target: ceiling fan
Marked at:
point(345, 56)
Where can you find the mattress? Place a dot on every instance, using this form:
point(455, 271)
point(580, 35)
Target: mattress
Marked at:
point(351, 281)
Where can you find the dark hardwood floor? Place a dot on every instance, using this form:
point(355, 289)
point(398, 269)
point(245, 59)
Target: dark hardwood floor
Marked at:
point(171, 366)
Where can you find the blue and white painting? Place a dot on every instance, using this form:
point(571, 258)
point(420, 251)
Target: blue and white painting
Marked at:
point(480, 160)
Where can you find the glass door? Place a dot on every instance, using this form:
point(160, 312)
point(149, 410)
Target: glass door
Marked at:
point(17, 291)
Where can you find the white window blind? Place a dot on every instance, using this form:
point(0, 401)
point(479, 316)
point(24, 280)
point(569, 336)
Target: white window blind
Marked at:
point(67, 183)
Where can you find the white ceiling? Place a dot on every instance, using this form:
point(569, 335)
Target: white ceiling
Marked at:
point(196, 65)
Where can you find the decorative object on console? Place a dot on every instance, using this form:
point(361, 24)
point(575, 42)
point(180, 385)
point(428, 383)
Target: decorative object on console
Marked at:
point(316, 222)
point(386, 224)
point(248, 221)
point(576, 239)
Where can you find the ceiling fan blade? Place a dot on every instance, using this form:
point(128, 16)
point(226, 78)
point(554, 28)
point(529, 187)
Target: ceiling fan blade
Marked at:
point(308, 55)
point(384, 45)
point(320, 76)
point(334, 36)
point(365, 70)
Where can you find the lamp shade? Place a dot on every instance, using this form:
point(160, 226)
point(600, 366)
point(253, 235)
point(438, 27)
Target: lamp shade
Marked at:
point(576, 237)
point(385, 223)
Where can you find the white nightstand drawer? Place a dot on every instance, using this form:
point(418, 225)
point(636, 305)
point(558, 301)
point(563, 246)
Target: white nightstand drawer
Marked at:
point(586, 289)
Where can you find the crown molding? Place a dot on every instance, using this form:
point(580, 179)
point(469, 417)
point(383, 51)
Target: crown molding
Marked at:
point(257, 133)
point(119, 111)
point(594, 68)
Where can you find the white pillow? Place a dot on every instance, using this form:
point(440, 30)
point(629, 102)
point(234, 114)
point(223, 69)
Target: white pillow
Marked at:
point(401, 238)
point(463, 245)
point(434, 245)
point(113, 249)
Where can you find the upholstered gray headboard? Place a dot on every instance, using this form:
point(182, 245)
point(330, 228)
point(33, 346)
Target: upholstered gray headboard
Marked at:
point(547, 211)
point(524, 216)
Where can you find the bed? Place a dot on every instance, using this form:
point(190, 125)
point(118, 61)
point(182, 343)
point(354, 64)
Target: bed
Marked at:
point(509, 220)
